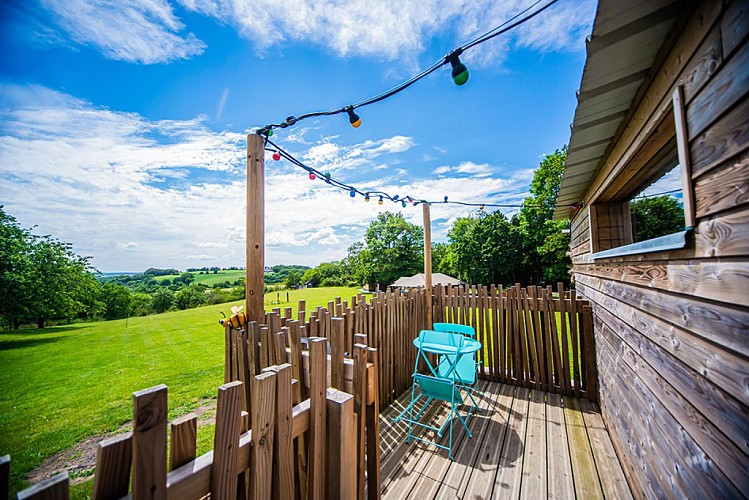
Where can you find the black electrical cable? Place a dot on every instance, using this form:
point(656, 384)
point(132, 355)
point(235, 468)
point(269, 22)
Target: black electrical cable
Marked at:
point(494, 32)
point(327, 178)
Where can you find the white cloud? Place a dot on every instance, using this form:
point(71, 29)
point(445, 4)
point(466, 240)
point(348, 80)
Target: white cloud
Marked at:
point(142, 31)
point(395, 30)
point(135, 193)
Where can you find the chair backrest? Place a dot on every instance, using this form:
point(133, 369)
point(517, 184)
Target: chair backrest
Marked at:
point(456, 328)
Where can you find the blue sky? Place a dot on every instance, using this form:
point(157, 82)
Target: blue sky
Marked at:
point(123, 124)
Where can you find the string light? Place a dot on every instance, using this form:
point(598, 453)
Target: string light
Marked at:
point(353, 191)
point(459, 73)
point(276, 155)
point(353, 118)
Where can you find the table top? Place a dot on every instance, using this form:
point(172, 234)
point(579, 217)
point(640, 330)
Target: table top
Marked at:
point(469, 346)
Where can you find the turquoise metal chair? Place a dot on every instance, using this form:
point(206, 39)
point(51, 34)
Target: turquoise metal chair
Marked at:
point(444, 387)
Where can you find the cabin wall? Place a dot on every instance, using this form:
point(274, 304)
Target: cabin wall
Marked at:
point(672, 328)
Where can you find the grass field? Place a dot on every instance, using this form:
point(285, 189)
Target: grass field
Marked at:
point(63, 384)
point(209, 279)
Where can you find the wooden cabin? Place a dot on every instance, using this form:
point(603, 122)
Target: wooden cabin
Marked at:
point(664, 97)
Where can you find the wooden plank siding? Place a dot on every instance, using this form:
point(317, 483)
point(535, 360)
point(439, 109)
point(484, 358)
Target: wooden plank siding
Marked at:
point(672, 328)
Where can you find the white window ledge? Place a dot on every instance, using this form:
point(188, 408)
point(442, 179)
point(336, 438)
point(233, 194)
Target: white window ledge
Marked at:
point(669, 242)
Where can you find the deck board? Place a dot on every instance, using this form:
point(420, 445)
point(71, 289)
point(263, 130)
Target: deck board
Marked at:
point(525, 443)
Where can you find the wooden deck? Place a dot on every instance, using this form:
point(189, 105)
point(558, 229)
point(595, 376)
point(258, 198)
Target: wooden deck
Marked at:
point(525, 444)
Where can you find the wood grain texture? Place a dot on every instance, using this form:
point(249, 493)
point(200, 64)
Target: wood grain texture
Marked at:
point(183, 442)
point(734, 25)
point(558, 463)
point(584, 471)
point(610, 473)
point(725, 281)
point(723, 325)
point(149, 443)
point(534, 481)
point(54, 488)
point(226, 441)
point(373, 431)
point(114, 457)
point(341, 446)
point(724, 188)
point(263, 429)
point(693, 409)
point(255, 229)
point(654, 100)
point(318, 410)
point(509, 473)
point(283, 443)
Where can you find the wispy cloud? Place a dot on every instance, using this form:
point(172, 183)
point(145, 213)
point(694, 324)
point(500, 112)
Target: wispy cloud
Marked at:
point(394, 30)
point(140, 31)
point(136, 193)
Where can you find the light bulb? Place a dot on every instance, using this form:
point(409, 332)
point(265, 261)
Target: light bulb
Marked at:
point(445, 199)
point(352, 193)
point(276, 155)
point(353, 118)
point(366, 198)
point(459, 72)
point(312, 176)
point(380, 201)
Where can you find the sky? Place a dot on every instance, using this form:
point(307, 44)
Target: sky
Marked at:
point(123, 125)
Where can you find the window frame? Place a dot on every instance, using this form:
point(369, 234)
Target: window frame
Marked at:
point(619, 210)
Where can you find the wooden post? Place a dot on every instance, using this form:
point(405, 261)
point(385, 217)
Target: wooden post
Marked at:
point(255, 224)
point(149, 443)
point(263, 420)
point(428, 262)
point(226, 441)
point(341, 446)
point(183, 445)
point(318, 376)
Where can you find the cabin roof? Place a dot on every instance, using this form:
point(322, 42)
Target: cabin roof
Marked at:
point(621, 52)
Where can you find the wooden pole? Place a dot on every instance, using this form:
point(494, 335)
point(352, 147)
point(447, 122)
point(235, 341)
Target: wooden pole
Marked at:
point(428, 262)
point(255, 229)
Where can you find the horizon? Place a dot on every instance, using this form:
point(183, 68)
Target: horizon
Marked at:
point(123, 130)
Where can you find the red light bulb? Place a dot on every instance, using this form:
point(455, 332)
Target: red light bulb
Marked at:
point(311, 176)
point(276, 155)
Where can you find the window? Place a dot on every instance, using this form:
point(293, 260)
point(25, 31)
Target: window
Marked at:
point(647, 207)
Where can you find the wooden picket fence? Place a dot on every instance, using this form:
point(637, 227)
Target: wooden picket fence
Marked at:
point(536, 337)
point(268, 441)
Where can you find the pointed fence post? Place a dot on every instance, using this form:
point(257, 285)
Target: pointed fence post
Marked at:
point(428, 261)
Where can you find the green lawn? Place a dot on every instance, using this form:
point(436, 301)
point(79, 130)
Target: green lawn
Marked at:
point(62, 384)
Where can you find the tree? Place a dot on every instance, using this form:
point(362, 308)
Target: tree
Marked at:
point(117, 301)
point(293, 279)
point(544, 247)
point(189, 297)
point(484, 248)
point(14, 269)
point(656, 216)
point(392, 248)
point(443, 259)
point(162, 300)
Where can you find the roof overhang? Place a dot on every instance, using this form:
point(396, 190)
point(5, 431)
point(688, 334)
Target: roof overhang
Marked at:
point(621, 51)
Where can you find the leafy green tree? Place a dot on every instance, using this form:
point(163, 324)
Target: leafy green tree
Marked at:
point(392, 248)
point(14, 269)
point(55, 281)
point(117, 300)
point(483, 248)
point(189, 297)
point(443, 259)
point(293, 279)
point(656, 216)
point(543, 245)
point(162, 300)
point(334, 273)
point(140, 304)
